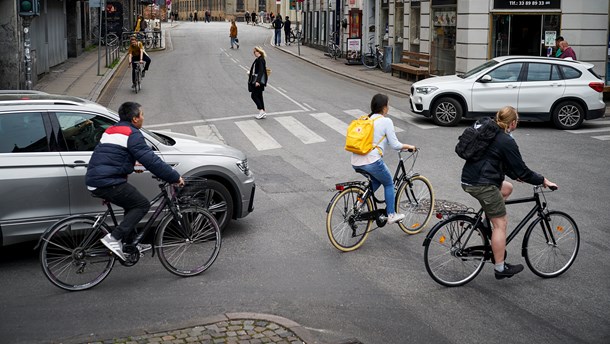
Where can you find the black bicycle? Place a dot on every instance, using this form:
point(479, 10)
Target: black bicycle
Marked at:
point(187, 240)
point(373, 57)
point(296, 36)
point(353, 209)
point(457, 247)
point(137, 85)
point(333, 49)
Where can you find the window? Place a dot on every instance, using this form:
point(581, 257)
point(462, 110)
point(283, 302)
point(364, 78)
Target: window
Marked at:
point(506, 73)
point(239, 6)
point(22, 133)
point(569, 72)
point(539, 72)
point(81, 131)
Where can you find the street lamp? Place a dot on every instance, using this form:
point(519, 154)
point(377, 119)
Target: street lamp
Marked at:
point(28, 9)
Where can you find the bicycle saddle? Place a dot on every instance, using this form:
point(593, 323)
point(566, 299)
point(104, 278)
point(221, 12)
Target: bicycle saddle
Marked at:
point(364, 173)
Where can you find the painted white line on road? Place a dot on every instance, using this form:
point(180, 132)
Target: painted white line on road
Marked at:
point(334, 123)
point(164, 129)
point(209, 132)
point(309, 106)
point(281, 89)
point(199, 121)
point(359, 113)
point(603, 137)
point(299, 130)
point(409, 118)
point(588, 131)
point(234, 60)
point(257, 135)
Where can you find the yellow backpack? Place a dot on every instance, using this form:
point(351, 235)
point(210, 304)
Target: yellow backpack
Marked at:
point(360, 133)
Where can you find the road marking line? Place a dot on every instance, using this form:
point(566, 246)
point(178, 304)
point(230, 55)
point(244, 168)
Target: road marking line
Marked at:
point(198, 121)
point(603, 137)
point(334, 123)
point(588, 131)
point(164, 129)
point(358, 113)
point(299, 130)
point(309, 106)
point(409, 119)
point(257, 135)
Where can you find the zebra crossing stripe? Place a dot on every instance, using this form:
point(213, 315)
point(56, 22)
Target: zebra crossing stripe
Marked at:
point(588, 131)
point(209, 132)
point(358, 113)
point(257, 135)
point(334, 123)
point(409, 119)
point(299, 130)
point(603, 137)
point(164, 129)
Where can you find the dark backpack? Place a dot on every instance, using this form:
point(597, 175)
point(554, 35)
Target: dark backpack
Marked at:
point(474, 141)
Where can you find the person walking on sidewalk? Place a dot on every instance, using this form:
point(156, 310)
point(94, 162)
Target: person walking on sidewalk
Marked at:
point(247, 16)
point(287, 28)
point(113, 160)
point(257, 81)
point(372, 163)
point(253, 15)
point(277, 24)
point(566, 51)
point(233, 34)
point(137, 54)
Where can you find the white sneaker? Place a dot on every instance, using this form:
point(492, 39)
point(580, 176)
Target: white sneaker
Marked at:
point(261, 115)
point(393, 218)
point(114, 245)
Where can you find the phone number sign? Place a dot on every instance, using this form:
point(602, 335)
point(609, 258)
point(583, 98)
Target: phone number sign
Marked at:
point(527, 4)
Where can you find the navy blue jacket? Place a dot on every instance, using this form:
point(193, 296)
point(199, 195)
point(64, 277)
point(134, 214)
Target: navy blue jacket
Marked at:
point(501, 158)
point(115, 156)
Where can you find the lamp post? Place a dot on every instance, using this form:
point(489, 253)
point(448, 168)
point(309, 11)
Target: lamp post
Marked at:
point(28, 9)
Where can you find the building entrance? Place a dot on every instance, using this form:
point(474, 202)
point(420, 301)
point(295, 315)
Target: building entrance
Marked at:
point(524, 34)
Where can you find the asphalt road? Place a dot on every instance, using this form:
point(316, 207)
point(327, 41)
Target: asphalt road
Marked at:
point(278, 260)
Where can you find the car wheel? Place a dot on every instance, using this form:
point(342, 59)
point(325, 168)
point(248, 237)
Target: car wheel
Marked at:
point(447, 112)
point(216, 199)
point(568, 115)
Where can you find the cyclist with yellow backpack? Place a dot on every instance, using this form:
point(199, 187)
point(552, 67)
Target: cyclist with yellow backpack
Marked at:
point(368, 151)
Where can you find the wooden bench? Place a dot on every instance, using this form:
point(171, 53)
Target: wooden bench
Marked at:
point(413, 63)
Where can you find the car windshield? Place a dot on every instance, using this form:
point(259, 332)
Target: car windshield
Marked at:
point(474, 71)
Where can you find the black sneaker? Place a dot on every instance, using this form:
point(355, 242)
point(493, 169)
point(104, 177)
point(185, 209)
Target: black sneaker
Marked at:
point(509, 271)
point(143, 73)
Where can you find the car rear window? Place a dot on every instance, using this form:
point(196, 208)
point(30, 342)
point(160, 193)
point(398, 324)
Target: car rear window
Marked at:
point(570, 73)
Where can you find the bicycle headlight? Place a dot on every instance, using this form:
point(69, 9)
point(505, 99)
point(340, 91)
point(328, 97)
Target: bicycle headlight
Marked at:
point(425, 89)
point(243, 166)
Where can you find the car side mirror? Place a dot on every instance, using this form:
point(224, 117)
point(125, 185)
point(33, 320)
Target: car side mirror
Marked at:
point(485, 78)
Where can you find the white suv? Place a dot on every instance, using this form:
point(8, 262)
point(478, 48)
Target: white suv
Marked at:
point(540, 88)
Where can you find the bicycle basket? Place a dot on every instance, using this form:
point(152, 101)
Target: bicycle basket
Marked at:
point(194, 192)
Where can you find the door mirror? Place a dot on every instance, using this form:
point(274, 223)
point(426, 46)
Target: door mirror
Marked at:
point(485, 78)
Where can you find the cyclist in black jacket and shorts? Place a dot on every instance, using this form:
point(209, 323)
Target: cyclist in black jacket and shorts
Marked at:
point(484, 180)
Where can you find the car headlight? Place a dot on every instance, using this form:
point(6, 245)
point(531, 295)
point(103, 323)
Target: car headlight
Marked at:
point(243, 166)
point(425, 89)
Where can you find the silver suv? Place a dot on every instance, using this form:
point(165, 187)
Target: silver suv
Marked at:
point(540, 88)
point(47, 140)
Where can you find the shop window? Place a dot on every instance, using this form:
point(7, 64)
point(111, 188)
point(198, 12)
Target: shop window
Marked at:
point(444, 23)
point(415, 26)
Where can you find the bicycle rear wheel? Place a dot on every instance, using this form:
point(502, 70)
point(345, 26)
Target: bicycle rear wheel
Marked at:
point(72, 256)
point(369, 60)
point(415, 199)
point(345, 232)
point(190, 246)
point(551, 245)
point(454, 251)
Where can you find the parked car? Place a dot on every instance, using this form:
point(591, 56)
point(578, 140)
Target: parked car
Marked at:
point(47, 140)
point(565, 92)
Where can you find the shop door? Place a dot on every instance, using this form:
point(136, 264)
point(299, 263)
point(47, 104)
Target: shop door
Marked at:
point(522, 34)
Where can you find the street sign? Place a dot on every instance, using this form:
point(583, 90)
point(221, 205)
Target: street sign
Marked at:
point(96, 3)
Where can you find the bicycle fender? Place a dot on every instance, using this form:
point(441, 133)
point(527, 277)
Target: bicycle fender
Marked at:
point(58, 223)
point(332, 200)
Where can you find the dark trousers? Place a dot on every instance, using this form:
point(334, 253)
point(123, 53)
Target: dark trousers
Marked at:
point(132, 201)
point(257, 96)
point(147, 61)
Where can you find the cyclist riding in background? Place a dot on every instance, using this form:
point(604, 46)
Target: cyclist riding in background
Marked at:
point(136, 55)
point(113, 160)
point(484, 180)
point(373, 162)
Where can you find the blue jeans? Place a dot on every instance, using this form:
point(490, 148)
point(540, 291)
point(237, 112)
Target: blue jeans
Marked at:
point(129, 198)
point(278, 36)
point(233, 42)
point(381, 175)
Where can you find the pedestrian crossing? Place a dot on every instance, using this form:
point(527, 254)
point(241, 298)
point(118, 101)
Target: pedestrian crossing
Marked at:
point(601, 126)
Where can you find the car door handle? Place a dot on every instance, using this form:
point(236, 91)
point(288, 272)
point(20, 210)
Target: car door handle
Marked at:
point(510, 86)
point(78, 163)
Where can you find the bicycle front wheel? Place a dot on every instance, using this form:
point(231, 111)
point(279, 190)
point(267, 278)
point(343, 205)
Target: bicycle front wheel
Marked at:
point(189, 246)
point(72, 256)
point(551, 244)
point(369, 60)
point(344, 230)
point(455, 251)
point(415, 199)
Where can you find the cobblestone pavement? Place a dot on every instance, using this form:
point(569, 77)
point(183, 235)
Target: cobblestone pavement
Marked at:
point(246, 331)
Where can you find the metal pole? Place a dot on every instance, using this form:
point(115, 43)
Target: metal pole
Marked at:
point(99, 43)
point(298, 25)
point(26, 21)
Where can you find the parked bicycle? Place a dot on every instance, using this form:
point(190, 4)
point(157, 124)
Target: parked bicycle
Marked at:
point(111, 39)
point(296, 36)
point(145, 37)
point(353, 209)
point(373, 57)
point(333, 49)
point(457, 247)
point(187, 240)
